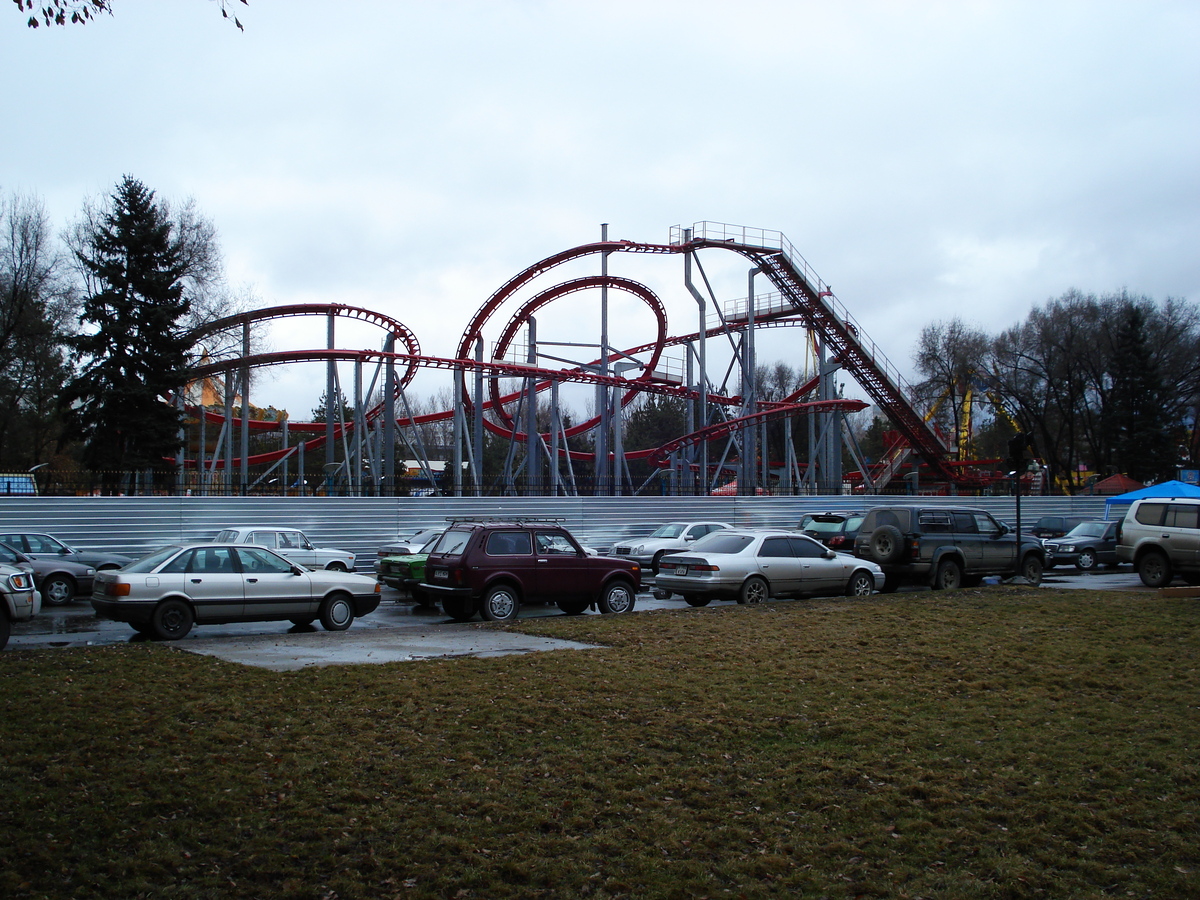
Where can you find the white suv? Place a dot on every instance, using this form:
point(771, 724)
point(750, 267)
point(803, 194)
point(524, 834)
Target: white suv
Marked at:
point(18, 600)
point(1161, 537)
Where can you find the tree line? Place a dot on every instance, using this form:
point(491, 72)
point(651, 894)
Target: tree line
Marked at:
point(1102, 384)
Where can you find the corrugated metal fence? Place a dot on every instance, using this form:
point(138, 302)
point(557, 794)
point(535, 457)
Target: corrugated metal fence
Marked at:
point(135, 525)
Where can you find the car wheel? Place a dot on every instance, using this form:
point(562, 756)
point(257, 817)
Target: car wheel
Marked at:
point(459, 609)
point(302, 621)
point(172, 620)
point(754, 590)
point(618, 597)
point(862, 584)
point(337, 567)
point(1087, 560)
point(500, 604)
point(695, 600)
point(573, 607)
point(58, 589)
point(657, 559)
point(337, 613)
point(1154, 569)
point(948, 576)
point(887, 544)
point(1031, 569)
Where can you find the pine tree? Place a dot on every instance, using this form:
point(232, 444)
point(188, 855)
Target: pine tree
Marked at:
point(133, 351)
point(1140, 416)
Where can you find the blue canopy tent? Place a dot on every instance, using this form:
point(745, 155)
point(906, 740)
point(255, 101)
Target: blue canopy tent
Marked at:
point(1120, 504)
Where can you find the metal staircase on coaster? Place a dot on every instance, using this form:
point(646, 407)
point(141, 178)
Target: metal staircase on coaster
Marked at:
point(850, 346)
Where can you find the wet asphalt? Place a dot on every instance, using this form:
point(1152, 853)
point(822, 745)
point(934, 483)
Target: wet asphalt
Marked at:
point(397, 631)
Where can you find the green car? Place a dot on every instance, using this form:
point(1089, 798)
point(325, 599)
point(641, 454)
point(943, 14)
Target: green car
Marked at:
point(405, 571)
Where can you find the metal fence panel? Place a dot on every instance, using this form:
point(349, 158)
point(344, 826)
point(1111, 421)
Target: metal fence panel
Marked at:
point(136, 525)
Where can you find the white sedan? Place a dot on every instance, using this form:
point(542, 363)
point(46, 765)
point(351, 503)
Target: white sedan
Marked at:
point(751, 566)
point(165, 593)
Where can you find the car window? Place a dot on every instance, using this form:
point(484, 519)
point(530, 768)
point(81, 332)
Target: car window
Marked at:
point(986, 524)
point(228, 536)
point(179, 564)
point(935, 521)
point(452, 542)
point(509, 543)
point(1180, 515)
point(212, 561)
point(9, 555)
point(263, 538)
point(775, 546)
point(964, 522)
point(720, 541)
point(254, 559)
point(807, 549)
point(671, 530)
point(823, 525)
point(1151, 513)
point(554, 542)
point(152, 561)
point(854, 523)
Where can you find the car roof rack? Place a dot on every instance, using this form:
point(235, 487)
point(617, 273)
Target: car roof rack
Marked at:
point(507, 520)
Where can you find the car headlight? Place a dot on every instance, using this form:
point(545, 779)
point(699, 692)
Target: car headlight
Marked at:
point(21, 581)
point(1067, 548)
point(637, 551)
point(91, 571)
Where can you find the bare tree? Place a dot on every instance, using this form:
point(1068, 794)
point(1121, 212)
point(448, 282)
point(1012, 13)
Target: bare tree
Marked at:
point(36, 308)
point(949, 356)
point(78, 12)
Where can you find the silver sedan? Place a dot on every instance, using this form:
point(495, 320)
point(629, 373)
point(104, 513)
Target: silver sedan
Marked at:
point(751, 566)
point(165, 593)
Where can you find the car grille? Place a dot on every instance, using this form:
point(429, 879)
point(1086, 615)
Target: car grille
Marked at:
point(622, 551)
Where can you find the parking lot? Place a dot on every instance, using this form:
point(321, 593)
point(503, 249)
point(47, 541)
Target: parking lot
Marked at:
point(397, 631)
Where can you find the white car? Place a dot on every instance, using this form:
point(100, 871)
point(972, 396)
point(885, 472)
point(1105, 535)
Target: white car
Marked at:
point(669, 538)
point(290, 543)
point(410, 541)
point(18, 600)
point(750, 566)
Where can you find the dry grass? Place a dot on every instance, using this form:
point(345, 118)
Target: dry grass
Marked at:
point(989, 743)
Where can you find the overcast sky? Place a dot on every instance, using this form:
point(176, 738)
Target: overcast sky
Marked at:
point(931, 160)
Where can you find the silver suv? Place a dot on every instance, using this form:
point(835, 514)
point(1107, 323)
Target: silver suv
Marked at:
point(1161, 537)
point(18, 600)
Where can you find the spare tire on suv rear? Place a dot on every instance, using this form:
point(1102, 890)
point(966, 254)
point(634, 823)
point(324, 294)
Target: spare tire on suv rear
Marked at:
point(887, 544)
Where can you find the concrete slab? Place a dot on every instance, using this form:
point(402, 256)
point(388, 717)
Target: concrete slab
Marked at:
point(288, 652)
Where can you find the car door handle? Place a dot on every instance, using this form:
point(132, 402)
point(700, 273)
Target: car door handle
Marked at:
point(252, 580)
point(197, 580)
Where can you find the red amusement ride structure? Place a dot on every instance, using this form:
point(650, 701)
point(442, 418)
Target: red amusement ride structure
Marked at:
point(510, 386)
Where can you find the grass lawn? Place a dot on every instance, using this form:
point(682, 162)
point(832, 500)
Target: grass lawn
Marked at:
point(993, 743)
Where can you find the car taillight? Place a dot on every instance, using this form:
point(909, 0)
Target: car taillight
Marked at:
point(836, 541)
point(117, 589)
point(703, 568)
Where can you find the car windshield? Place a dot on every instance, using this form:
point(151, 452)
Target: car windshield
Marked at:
point(722, 542)
point(1088, 529)
point(672, 530)
point(228, 536)
point(428, 546)
point(452, 542)
point(152, 561)
point(823, 525)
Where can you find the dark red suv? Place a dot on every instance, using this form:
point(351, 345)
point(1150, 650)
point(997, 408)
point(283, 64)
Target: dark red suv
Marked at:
point(493, 567)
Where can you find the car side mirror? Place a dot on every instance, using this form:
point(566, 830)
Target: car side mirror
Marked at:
point(296, 570)
point(830, 554)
